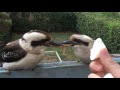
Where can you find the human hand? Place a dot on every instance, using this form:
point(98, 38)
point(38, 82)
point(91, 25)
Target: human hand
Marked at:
point(103, 65)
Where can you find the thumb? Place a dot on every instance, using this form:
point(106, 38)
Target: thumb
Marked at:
point(109, 64)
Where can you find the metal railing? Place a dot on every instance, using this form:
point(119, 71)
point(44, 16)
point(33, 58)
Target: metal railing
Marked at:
point(58, 56)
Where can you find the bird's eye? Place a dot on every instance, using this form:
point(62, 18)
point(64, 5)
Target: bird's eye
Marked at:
point(23, 39)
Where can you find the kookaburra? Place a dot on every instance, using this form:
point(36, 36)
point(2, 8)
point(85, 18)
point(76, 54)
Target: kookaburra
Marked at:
point(26, 52)
point(81, 45)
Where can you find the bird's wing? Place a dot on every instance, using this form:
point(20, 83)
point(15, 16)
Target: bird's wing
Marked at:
point(12, 52)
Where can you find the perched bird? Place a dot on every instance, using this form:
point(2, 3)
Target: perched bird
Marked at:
point(81, 45)
point(26, 52)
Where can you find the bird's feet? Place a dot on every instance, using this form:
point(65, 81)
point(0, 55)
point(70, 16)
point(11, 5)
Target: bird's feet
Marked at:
point(79, 61)
point(34, 68)
point(8, 72)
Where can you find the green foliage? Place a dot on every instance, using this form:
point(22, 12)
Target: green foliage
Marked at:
point(105, 25)
point(47, 21)
point(5, 25)
point(5, 21)
point(88, 25)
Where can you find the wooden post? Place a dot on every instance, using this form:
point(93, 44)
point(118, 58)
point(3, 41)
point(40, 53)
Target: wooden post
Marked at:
point(63, 48)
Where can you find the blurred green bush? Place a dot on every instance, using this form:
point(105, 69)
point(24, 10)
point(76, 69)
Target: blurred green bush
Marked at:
point(105, 25)
point(5, 27)
point(47, 21)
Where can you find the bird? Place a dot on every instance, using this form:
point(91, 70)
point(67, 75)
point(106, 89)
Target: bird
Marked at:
point(81, 45)
point(26, 52)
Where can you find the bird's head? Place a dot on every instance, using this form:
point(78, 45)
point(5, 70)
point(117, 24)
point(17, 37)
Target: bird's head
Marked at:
point(36, 39)
point(78, 39)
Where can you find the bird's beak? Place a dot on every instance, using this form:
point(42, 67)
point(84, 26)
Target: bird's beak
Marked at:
point(68, 43)
point(72, 43)
point(52, 43)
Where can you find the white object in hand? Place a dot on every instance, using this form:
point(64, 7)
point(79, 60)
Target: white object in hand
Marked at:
point(94, 53)
point(108, 75)
point(97, 46)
